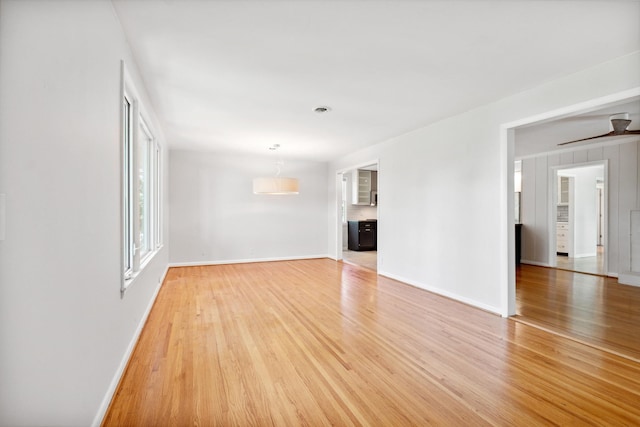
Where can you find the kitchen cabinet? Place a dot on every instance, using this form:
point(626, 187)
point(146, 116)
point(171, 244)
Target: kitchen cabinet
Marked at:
point(562, 238)
point(362, 235)
point(563, 190)
point(564, 226)
point(364, 182)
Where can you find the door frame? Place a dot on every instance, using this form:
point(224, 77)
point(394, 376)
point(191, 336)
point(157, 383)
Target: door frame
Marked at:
point(339, 174)
point(507, 279)
point(553, 210)
point(600, 212)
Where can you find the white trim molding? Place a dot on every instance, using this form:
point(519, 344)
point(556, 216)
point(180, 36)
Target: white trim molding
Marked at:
point(629, 278)
point(539, 264)
point(245, 261)
point(451, 295)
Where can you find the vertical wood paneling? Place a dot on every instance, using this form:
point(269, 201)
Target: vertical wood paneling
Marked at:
point(566, 158)
point(594, 154)
point(635, 241)
point(542, 215)
point(627, 182)
point(528, 208)
point(623, 195)
point(553, 160)
point(580, 156)
point(611, 153)
point(638, 178)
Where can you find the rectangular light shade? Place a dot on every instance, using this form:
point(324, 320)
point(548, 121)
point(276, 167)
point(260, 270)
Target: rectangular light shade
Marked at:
point(275, 185)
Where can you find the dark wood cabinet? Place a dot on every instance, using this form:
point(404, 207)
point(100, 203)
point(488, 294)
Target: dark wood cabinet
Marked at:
point(362, 235)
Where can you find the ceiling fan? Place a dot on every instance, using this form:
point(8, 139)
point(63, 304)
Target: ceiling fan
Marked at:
point(619, 122)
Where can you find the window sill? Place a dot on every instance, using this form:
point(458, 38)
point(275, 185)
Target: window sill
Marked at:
point(128, 282)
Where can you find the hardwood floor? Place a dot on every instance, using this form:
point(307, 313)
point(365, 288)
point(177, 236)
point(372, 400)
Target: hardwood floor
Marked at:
point(319, 342)
point(366, 259)
point(596, 310)
point(591, 264)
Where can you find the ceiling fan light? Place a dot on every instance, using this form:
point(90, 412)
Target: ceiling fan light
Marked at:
point(619, 125)
point(276, 185)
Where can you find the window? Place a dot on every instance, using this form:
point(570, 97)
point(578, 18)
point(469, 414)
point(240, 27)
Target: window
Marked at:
point(141, 188)
point(145, 195)
point(127, 189)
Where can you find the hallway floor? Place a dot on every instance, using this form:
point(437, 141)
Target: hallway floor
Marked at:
point(591, 265)
point(366, 259)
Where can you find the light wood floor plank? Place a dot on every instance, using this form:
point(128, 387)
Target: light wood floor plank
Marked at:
point(596, 310)
point(319, 342)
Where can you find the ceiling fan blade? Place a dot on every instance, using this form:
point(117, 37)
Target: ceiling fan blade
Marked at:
point(586, 139)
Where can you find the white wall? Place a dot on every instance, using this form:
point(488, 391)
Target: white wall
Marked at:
point(440, 218)
point(64, 330)
point(623, 189)
point(215, 217)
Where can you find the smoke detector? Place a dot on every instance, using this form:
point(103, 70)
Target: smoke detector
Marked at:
point(322, 109)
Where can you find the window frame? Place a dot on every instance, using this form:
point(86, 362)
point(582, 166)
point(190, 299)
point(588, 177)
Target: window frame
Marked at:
point(127, 182)
point(133, 124)
point(150, 196)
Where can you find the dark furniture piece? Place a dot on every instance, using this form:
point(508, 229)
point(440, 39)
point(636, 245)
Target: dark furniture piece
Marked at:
point(362, 235)
point(518, 242)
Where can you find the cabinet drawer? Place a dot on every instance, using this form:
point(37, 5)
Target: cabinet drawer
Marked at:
point(367, 226)
point(562, 226)
point(562, 248)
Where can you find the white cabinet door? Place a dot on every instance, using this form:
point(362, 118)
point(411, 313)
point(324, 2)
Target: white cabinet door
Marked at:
point(361, 184)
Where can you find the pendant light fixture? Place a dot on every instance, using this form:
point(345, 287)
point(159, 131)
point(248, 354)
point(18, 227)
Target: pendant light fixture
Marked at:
point(275, 185)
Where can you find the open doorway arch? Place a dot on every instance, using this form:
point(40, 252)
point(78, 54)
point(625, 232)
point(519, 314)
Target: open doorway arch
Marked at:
point(507, 155)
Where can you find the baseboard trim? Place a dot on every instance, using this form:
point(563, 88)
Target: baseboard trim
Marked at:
point(106, 401)
point(245, 261)
point(539, 264)
point(451, 295)
point(590, 254)
point(629, 278)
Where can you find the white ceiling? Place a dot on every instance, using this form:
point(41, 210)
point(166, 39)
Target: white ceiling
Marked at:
point(545, 137)
point(244, 75)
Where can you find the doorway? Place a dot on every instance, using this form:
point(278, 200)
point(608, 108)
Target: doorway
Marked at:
point(579, 210)
point(358, 227)
point(509, 154)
